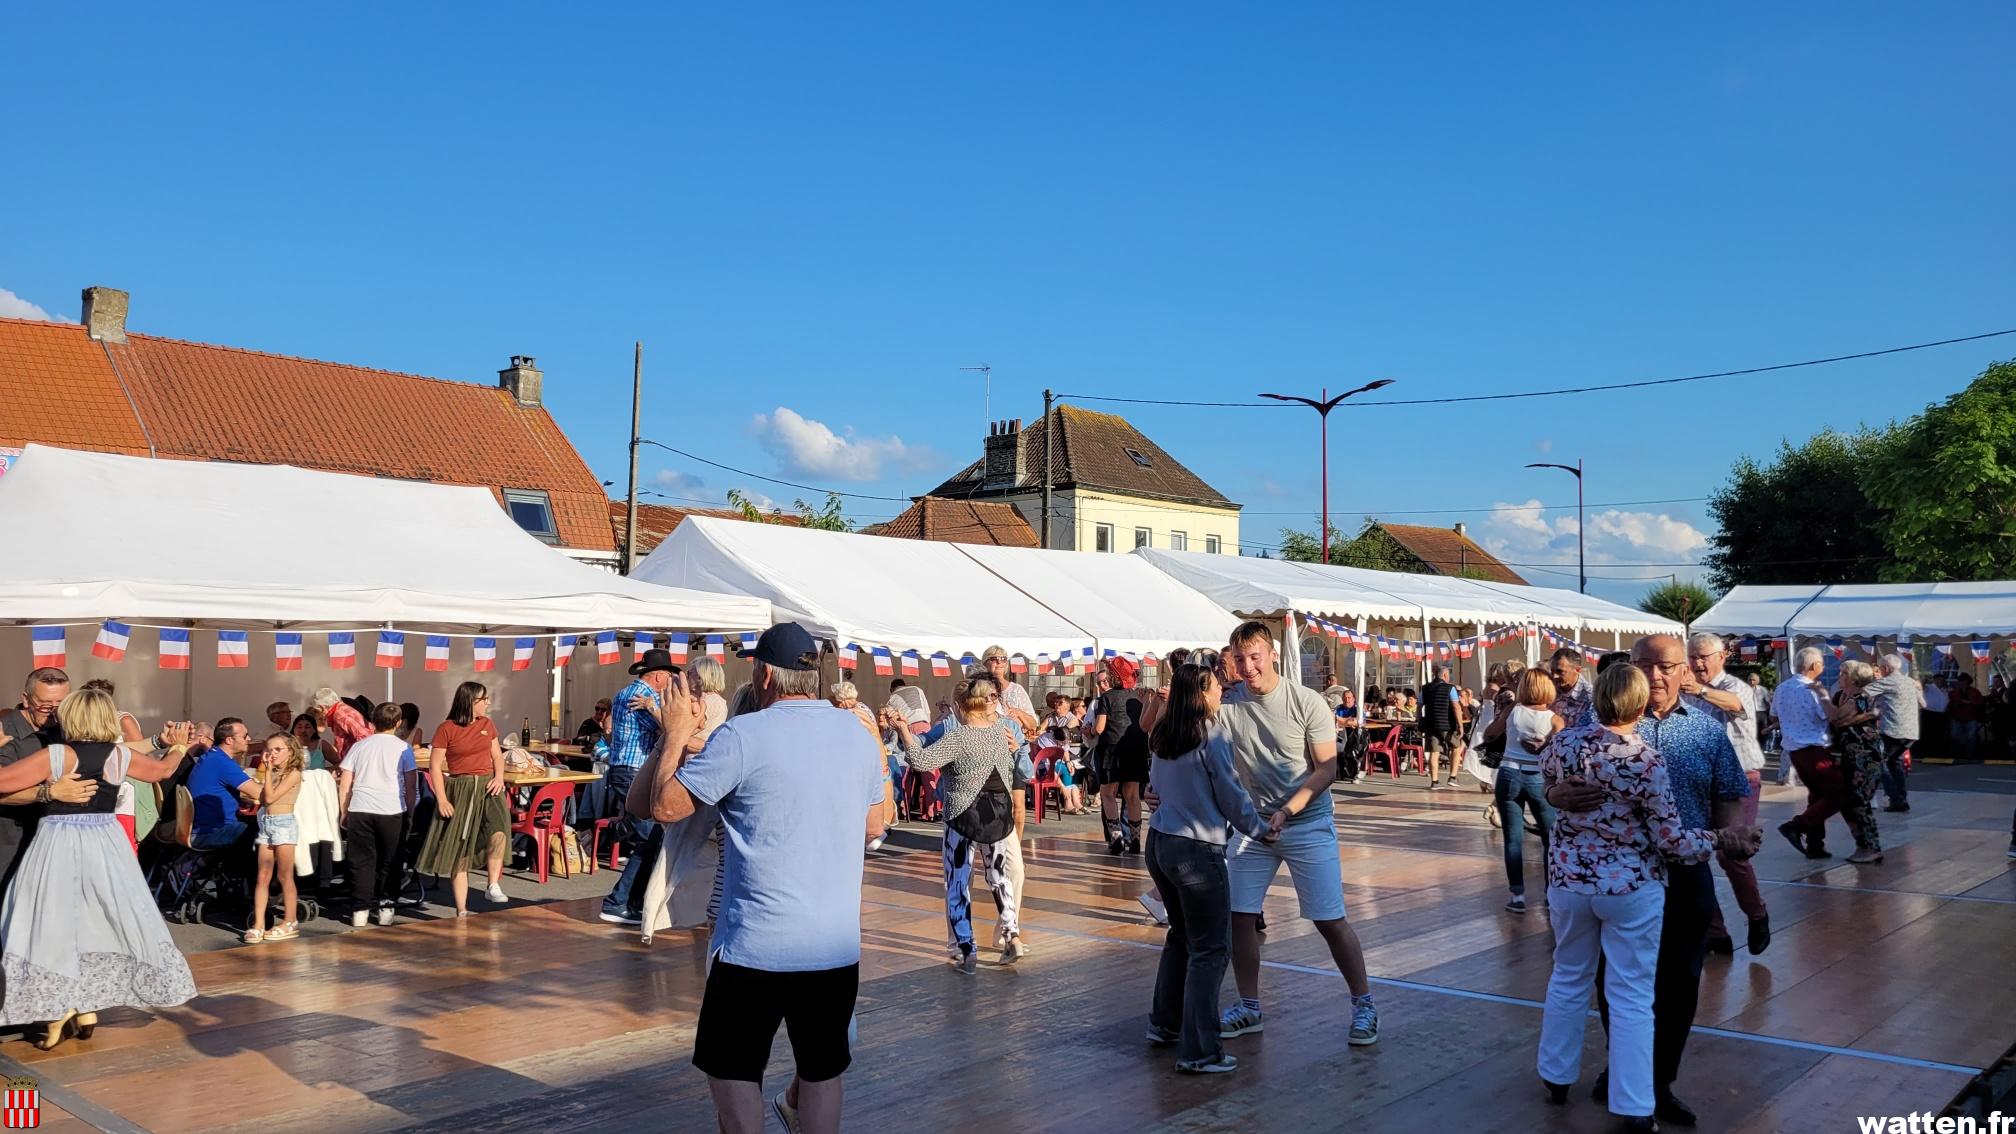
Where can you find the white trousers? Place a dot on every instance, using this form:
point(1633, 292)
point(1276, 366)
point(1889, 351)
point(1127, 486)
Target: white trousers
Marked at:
point(1622, 930)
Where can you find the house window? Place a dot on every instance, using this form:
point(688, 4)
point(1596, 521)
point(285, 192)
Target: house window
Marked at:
point(1102, 539)
point(1212, 546)
point(1179, 541)
point(1143, 537)
point(1139, 457)
point(532, 510)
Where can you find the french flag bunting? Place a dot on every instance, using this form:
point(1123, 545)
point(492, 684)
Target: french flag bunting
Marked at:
point(748, 640)
point(342, 649)
point(486, 654)
point(1943, 649)
point(112, 639)
point(884, 664)
point(967, 660)
point(678, 647)
point(391, 649)
point(1835, 647)
point(233, 651)
point(1018, 664)
point(1747, 649)
point(563, 649)
point(1043, 663)
point(521, 654)
point(1980, 651)
point(48, 643)
point(286, 651)
point(1067, 660)
point(850, 656)
point(716, 648)
point(605, 647)
point(644, 640)
point(1151, 661)
point(909, 663)
point(1466, 647)
point(174, 648)
point(941, 666)
point(437, 654)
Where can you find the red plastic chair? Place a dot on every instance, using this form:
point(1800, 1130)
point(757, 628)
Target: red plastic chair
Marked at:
point(1046, 780)
point(1404, 747)
point(543, 818)
point(1385, 748)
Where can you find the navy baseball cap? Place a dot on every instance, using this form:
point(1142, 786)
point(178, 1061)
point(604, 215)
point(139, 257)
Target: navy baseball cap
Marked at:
point(786, 645)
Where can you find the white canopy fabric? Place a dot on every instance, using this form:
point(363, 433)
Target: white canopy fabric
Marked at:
point(936, 597)
point(1909, 610)
point(273, 546)
point(1271, 586)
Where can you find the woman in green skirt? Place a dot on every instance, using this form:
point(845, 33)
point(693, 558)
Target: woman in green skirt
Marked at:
point(472, 815)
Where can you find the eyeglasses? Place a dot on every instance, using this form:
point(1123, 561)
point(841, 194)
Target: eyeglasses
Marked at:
point(1666, 669)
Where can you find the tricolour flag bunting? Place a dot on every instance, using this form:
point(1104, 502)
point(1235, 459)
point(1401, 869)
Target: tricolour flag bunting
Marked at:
point(679, 647)
point(112, 639)
point(286, 651)
point(605, 647)
point(486, 654)
point(343, 650)
point(49, 646)
point(521, 654)
point(563, 649)
point(391, 649)
point(174, 648)
point(436, 660)
point(233, 651)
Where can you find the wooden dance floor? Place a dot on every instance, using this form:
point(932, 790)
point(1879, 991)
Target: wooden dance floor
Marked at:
point(1885, 987)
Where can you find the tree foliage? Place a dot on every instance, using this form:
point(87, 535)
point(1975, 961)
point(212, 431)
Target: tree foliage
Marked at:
point(826, 519)
point(1802, 518)
point(1306, 547)
point(1678, 600)
point(1947, 491)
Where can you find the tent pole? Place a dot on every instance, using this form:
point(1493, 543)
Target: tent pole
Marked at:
point(1481, 667)
point(1358, 672)
point(389, 672)
point(189, 685)
point(559, 685)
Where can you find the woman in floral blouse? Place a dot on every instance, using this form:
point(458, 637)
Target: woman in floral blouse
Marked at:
point(1606, 887)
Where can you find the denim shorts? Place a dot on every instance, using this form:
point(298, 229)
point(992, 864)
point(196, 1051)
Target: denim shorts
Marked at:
point(277, 831)
point(1310, 850)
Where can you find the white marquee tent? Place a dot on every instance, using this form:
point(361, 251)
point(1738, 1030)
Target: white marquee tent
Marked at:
point(934, 597)
point(1918, 612)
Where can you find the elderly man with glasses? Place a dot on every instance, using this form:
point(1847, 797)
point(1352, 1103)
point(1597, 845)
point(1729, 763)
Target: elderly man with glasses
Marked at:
point(1730, 695)
point(1709, 787)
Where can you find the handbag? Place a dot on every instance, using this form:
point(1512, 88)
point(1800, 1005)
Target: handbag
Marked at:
point(991, 819)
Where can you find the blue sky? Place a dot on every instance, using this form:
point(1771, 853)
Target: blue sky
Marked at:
point(814, 216)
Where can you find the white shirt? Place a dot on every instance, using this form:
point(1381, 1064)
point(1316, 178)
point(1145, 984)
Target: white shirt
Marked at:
point(377, 766)
point(1935, 698)
point(1800, 706)
point(1741, 726)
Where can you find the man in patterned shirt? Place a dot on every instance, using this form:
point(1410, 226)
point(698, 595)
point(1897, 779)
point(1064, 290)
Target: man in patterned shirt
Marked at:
point(633, 733)
point(1708, 792)
point(1577, 703)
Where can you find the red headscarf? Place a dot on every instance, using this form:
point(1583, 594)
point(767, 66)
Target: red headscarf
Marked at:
point(1125, 673)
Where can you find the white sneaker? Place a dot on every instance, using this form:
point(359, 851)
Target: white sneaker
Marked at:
point(1156, 909)
point(875, 843)
point(384, 915)
point(496, 894)
point(360, 918)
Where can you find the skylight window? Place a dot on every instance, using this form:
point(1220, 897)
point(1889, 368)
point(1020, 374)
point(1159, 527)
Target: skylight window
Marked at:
point(1140, 458)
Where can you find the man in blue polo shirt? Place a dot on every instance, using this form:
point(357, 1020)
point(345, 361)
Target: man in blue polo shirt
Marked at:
point(217, 782)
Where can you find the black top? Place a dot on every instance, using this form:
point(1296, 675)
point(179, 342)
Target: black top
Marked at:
point(1438, 709)
point(1121, 734)
point(91, 758)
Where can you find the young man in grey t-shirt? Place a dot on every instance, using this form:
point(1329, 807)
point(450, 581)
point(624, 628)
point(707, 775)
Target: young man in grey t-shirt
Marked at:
point(1284, 745)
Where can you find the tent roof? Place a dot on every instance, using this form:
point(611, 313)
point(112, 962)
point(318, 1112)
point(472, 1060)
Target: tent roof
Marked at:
point(281, 547)
point(931, 597)
point(1914, 610)
point(1270, 586)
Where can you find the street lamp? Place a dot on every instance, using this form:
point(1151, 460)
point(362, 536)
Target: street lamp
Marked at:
point(1581, 537)
point(1323, 406)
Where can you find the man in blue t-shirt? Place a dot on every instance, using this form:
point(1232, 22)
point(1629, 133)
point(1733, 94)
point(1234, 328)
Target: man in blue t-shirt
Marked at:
point(217, 782)
point(801, 788)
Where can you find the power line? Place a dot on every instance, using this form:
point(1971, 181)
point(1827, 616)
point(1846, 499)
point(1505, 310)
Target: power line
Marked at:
point(1568, 390)
point(772, 479)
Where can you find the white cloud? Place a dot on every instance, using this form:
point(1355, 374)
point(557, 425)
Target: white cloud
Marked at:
point(14, 307)
point(667, 480)
point(1525, 533)
point(809, 448)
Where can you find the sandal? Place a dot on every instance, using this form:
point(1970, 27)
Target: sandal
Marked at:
point(87, 1025)
point(57, 1031)
point(254, 936)
point(286, 930)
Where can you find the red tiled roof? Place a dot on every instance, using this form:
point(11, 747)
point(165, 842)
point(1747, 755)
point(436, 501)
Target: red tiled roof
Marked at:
point(1450, 552)
point(1091, 452)
point(203, 402)
point(656, 521)
point(960, 521)
point(61, 390)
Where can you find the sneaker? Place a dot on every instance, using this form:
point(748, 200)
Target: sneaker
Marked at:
point(1364, 1025)
point(786, 1115)
point(360, 918)
point(1013, 950)
point(874, 844)
point(1517, 903)
point(1156, 909)
point(1239, 1020)
point(1163, 1037)
point(967, 961)
point(621, 918)
point(384, 915)
point(1216, 1065)
point(496, 894)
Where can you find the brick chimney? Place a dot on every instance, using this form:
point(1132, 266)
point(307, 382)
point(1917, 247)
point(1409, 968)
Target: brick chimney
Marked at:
point(523, 379)
point(1005, 461)
point(1462, 529)
point(105, 313)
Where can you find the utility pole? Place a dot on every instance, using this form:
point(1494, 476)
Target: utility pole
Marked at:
point(1048, 445)
point(636, 411)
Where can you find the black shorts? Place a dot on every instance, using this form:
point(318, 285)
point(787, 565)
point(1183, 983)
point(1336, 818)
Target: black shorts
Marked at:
point(742, 1008)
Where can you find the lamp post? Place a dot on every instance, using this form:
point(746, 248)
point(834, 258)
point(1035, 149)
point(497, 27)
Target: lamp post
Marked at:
point(1323, 404)
point(1581, 537)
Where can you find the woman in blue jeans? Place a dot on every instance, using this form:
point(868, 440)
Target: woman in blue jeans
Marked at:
point(1529, 727)
point(1200, 798)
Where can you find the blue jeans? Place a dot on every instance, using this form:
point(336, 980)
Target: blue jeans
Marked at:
point(1191, 878)
point(627, 896)
point(217, 838)
point(1514, 788)
point(1893, 770)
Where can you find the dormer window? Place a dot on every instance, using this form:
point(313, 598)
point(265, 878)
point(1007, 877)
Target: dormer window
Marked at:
point(1140, 458)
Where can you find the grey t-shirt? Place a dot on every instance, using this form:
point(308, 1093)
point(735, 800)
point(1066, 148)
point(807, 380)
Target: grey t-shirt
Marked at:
point(1896, 699)
point(1272, 741)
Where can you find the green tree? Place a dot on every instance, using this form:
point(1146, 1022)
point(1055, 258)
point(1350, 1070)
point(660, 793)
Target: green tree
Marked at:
point(825, 519)
point(1307, 547)
point(1802, 518)
point(1678, 600)
point(739, 500)
point(1947, 490)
